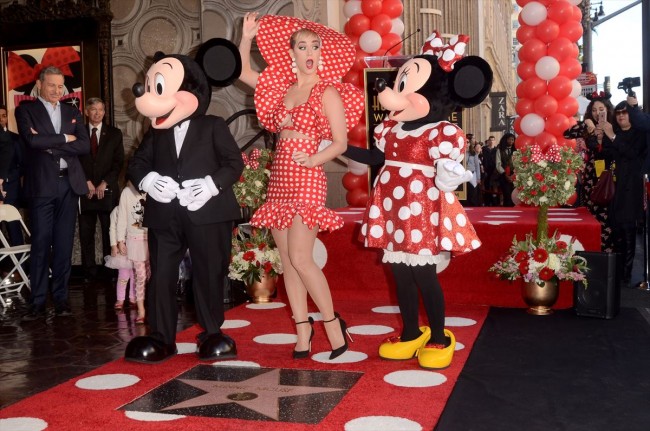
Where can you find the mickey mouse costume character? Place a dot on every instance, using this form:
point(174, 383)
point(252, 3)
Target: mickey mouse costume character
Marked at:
point(187, 163)
point(413, 213)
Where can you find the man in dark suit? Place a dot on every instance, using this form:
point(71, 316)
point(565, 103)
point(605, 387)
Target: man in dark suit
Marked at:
point(12, 179)
point(102, 168)
point(54, 136)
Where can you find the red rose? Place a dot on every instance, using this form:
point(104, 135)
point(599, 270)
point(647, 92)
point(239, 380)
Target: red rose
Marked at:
point(523, 267)
point(544, 188)
point(262, 246)
point(521, 257)
point(249, 256)
point(268, 267)
point(524, 159)
point(546, 273)
point(540, 255)
point(561, 245)
point(538, 176)
point(249, 244)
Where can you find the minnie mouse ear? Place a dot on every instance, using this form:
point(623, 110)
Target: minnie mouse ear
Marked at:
point(220, 60)
point(470, 81)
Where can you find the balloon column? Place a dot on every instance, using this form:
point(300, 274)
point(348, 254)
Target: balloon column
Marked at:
point(548, 70)
point(375, 27)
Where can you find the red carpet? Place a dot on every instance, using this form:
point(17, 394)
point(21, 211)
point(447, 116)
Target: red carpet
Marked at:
point(387, 394)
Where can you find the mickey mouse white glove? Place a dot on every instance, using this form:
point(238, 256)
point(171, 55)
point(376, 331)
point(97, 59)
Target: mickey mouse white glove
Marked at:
point(160, 188)
point(195, 193)
point(451, 174)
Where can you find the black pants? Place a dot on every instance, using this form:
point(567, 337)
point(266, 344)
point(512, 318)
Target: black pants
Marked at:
point(87, 224)
point(625, 245)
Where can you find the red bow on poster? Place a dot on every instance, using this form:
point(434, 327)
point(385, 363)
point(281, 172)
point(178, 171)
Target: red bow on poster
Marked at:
point(19, 72)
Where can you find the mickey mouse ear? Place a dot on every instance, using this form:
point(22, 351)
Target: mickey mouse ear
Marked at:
point(220, 60)
point(470, 81)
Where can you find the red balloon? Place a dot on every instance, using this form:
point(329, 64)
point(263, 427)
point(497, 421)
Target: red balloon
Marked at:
point(526, 70)
point(358, 24)
point(576, 12)
point(567, 106)
point(572, 199)
point(523, 141)
point(560, 12)
point(392, 41)
point(381, 23)
point(545, 140)
point(560, 87)
point(560, 48)
point(353, 78)
point(352, 181)
point(354, 38)
point(572, 30)
point(517, 125)
point(572, 121)
point(526, 33)
point(357, 197)
point(556, 124)
point(546, 31)
point(535, 87)
point(545, 105)
point(524, 106)
point(523, 3)
point(392, 8)
point(359, 59)
point(532, 50)
point(571, 68)
point(357, 133)
point(371, 8)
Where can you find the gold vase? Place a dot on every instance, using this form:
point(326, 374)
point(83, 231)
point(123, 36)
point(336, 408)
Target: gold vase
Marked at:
point(262, 291)
point(540, 299)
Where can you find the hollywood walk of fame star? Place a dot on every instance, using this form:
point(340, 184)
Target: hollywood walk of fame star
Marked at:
point(260, 393)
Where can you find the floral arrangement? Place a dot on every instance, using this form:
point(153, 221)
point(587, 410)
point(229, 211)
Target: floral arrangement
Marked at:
point(541, 261)
point(253, 254)
point(250, 190)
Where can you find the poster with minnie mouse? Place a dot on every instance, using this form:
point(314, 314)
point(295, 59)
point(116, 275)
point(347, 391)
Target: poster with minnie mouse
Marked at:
point(22, 68)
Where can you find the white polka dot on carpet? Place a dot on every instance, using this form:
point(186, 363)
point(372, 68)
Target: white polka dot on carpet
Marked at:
point(107, 381)
point(22, 424)
point(276, 339)
point(387, 309)
point(415, 378)
point(459, 346)
point(459, 321)
point(370, 329)
point(266, 306)
point(151, 417)
point(346, 358)
point(249, 364)
point(235, 323)
point(185, 348)
point(375, 423)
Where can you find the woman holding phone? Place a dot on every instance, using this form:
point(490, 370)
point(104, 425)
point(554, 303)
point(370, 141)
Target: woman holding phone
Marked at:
point(598, 115)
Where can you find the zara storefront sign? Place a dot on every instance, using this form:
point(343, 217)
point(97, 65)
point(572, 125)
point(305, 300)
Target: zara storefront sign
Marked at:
point(499, 117)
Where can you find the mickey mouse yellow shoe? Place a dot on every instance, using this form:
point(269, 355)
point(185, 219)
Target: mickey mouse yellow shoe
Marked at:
point(436, 356)
point(393, 348)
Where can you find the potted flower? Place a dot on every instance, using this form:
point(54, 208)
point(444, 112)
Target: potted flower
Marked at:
point(250, 190)
point(543, 179)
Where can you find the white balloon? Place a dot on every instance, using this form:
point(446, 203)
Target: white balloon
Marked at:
point(351, 8)
point(583, 102)
point(357, 168)
point(547, 67)
point(532, 124)
point(575, 2)
point(398, 26)
point(370, 41)
point(533, 13)
point(577, 88)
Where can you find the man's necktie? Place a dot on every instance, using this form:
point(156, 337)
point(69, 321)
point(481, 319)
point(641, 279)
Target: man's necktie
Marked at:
point(93, 142)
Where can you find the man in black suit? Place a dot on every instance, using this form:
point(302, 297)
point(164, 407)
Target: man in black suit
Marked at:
point(102, 168)
point(54, 136)
point(12, 177)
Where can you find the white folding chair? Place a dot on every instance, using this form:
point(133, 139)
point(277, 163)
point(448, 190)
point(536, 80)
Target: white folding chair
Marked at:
point(15, 279)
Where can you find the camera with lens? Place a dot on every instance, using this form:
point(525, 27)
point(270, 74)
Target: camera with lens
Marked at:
point(628, 83)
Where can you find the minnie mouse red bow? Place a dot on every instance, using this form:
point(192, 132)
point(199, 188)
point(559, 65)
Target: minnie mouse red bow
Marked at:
point(599, 96)
point(447, 54)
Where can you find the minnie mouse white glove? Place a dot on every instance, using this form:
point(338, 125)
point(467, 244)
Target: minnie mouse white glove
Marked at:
point(160, 188)
point(195, 193)
point(451, 174)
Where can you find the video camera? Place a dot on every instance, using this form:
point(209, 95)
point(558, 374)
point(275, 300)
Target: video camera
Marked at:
point(628, 83)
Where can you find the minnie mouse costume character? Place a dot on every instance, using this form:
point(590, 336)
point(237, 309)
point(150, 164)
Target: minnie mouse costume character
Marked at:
point(187, 163)
point(413, 213)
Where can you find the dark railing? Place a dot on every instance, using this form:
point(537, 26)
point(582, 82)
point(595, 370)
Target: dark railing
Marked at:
point(270, 139)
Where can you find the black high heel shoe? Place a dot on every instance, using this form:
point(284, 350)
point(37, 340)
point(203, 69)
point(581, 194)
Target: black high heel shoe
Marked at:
point(344, 330)
point(305, 353)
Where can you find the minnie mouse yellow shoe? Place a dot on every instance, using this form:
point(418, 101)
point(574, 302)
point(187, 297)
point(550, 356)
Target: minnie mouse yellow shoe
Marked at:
point(393, 348)
point(437, 356)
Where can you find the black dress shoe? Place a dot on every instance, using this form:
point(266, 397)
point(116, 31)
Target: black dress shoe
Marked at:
point(33, 315)
point(216, 346)
point(148, 350)
point(63, 311)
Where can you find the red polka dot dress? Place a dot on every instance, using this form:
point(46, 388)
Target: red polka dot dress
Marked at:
point(408, 216)
point(296, 190)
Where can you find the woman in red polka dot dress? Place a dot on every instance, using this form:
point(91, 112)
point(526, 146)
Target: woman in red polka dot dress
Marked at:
point(300, 95)
point(413, 214)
